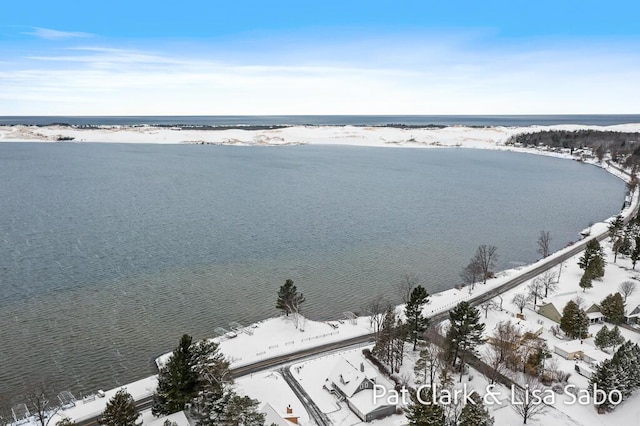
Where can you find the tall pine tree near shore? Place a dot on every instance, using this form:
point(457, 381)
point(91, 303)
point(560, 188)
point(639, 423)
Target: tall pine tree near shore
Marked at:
point(120, 411)
point(465, 332)
point(177, 380)
point(289, 300)
point(593, 259)
point(413, 311)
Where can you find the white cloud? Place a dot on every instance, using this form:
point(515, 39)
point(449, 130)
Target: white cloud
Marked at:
point(50, 34)
point(420, 77)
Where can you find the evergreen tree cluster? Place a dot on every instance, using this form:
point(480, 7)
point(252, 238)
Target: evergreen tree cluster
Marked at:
point(198, 375)
point(621, 373)
point(627, 242)
point(606, 338)
point(623, 147)
point(612, 308)
point(574, 321)
point(592, 262)
point(389, 347)
point(472, 414)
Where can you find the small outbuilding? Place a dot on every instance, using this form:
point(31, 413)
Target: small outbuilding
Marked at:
point(571, 350)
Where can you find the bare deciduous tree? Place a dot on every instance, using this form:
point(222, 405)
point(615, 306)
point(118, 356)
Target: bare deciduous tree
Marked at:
point(520, 300)
point(525, 404)
point(406, 285)
point(501, 301)
point(535, 288)
point(494, 359)
point(627, 288)
point(560, 266)
point(506, 339)
point(293, 305)
point(471, 273)
point(549, 283)
point(427, 366)
point(544, 243)
point(376, 309)
point(486, 257)
point(453, 410)
point(41, 401)
point(485, 306)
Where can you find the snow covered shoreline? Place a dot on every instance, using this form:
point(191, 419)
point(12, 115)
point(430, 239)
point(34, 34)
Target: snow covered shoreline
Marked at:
point(277, 336)
point(452, 136)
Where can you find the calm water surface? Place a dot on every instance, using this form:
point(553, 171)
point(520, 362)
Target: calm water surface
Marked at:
point(110, 252)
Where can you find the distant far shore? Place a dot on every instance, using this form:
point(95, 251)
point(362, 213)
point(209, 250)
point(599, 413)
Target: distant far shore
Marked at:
point(397, 135)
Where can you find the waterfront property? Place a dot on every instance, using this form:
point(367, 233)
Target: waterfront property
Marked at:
point(354, 385)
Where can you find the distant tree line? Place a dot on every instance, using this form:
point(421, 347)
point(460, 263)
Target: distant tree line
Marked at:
point(624, 147)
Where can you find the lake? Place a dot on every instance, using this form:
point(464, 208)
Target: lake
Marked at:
point(110, 252)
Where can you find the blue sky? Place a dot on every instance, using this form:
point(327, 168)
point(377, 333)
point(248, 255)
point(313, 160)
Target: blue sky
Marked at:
point(350, 57)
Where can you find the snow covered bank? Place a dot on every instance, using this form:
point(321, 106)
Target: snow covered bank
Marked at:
point(453, 136)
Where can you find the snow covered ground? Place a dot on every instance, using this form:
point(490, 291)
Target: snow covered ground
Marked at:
point(568, 289)
point(452, 136)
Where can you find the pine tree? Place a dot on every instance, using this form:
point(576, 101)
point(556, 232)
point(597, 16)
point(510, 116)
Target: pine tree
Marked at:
point(574, 321)
point(615, 337)
point(603, 338)
point(635, 253)
point(230, 409)
point(475, 414)
point(612, 308)
point(586, 280)
point(420, 413)
point(465, 332)
point(214, 379)
point(606, 378)
point(620, 373)
point(120, 411)
point(627, 360)
point(615, 231)
point(177, 381)
point(413, 311)
point(593, 255)
point(288, 298)
point(597, 266)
